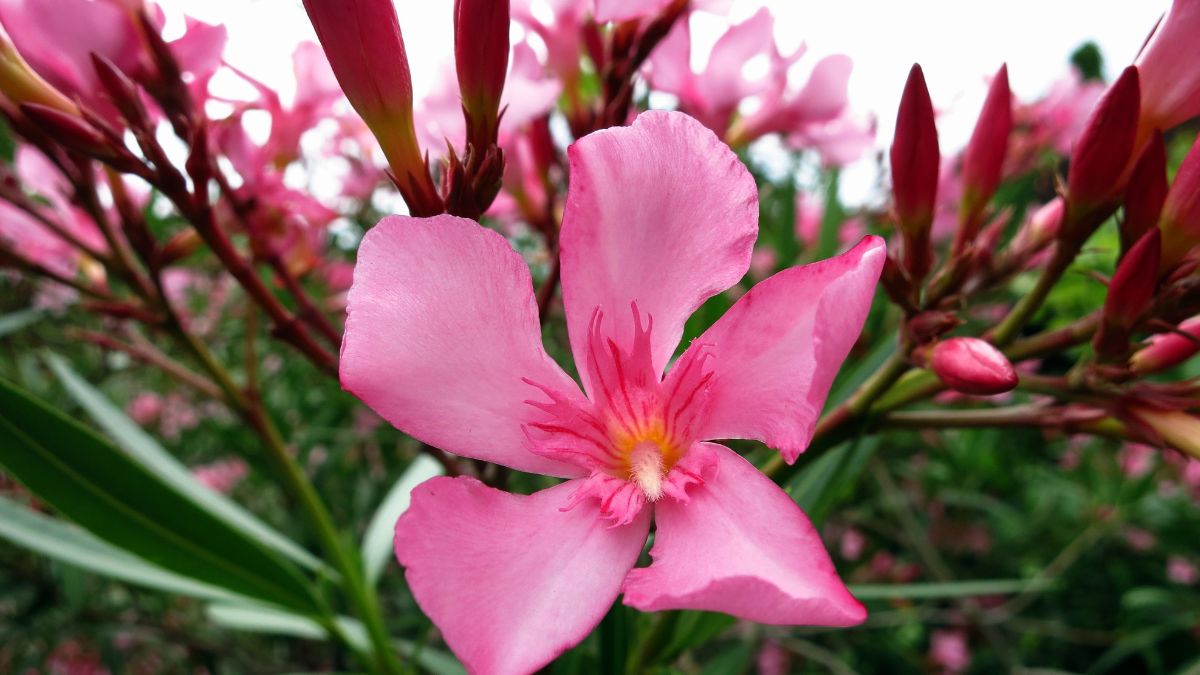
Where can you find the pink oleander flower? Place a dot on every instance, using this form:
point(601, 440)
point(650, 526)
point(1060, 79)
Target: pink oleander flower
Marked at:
point(443, 341)
point(1170, 83)
point(145, 408)
point(1180, 570)
point(949, 650)
point(222, 475)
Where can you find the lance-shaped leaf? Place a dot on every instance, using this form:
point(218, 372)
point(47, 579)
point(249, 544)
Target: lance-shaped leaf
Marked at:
point(120, 501)
point(377, 542)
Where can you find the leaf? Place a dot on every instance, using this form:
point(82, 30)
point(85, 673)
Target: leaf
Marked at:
point(819, 485)
point(70, 545)
point(950, 589)
point(143, 448)
point(119, 500)
point(15, 321)
point(258, 619)
point(377, 541)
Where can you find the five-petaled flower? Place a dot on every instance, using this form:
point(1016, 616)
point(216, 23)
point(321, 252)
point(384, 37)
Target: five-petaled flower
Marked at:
point(443, 340)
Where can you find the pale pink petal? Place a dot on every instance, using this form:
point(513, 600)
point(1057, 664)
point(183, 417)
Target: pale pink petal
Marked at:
point(777, 350)
point(661, 213)
point(670, 64)
point(441, 328)
point(741, 546)
point(627, 10)
point(824, 97)
point(512, 581)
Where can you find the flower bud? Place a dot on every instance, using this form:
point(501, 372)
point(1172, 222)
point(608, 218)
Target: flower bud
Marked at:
point(1129, 295)
point(366, 50)
point(1170, 79)
point(68, 130)
point(983, 159)
point(915, 162)
point(1101, 154)
point(1145, 194)
point(1180, 220)
point(972, 366)
point(21, 84)
point(1167, 350)
point(481, 59)
point(1176, 428)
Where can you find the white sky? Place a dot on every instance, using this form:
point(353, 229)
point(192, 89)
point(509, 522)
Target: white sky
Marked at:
point(958, 42)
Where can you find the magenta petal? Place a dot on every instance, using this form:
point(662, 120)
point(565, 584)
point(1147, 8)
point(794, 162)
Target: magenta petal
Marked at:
point(627, 10)
point(661, 213)
point(777, 350)
point(741, 546)
point(512, 581)
point(441, 329)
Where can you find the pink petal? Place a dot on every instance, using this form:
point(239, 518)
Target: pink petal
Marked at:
point(441, 328)
point(741, 546)
point(512, 581)
point(779, 347)
point(627, 10)
point(661, 213)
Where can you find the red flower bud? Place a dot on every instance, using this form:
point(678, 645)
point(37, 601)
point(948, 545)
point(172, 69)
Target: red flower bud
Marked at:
point(1180, 219)
point(366, 50)
point(1167, 350)
point(1129, 295)
point(972, 366)
point(983, 159)
point(481, 59)
point(1145, 194)
point(915, 161)
point(71, 131)
point(1102, 153)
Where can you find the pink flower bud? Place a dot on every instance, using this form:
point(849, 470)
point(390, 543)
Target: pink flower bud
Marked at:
point(1146, 192)
point(1166, 350)
point(1129, 294)
point(1180, 221)
point(1176, 428)
point(1041, 228)
point(983, 160)
point(1170, 79)
point(1102, 151)
point(915, 161)
point(366, 50)
point(972, 366)
point(481, 59)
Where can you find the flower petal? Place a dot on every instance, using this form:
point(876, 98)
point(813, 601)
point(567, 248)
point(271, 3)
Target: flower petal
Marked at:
point(778, 348)
point(512, 581)
point(741, 546)
point(441, 328)
point(661, 213)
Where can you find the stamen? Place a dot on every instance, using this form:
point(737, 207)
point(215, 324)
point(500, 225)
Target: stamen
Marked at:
point(646, 469)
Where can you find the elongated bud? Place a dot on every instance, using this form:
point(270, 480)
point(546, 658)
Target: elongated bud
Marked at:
point(983, 159)
point(1041, 228)
point(366, 50)
point(915, 161)
point(1176, 428)
point(21, 84)
point(1101, 155)
point(972, 366)
point(481, 59)
point(1180, 221)
point(121, 90)
point(1170, 79)
point(1146, 192)
point(71, 131)
point(1129, 295)
point(180, 246)
point(1167, 350)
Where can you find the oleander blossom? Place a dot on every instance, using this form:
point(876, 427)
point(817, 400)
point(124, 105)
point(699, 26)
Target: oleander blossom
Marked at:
point(443, 340)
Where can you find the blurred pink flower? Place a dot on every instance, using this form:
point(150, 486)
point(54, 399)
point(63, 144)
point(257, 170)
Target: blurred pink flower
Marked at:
point(852, 544)
point(222, 475)
point(1137, 459)
point(1180, 570)
point(809, 216)
point(772, 659)
point(1139, 540)
point(1051, 123)
point(74, 657)
point(145, 408)
point(443, 329)
point(948, 649)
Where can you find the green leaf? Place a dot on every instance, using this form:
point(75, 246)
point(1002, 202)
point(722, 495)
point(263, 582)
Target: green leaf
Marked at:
point(70, 545)
point(15, 321)
point(950, 589)
point(119, 500)
point(818, 486)
point(143, 448)
point(258, 619)
point(377, 542)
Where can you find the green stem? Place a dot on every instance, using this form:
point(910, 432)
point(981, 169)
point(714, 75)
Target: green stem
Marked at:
point(1030, 303)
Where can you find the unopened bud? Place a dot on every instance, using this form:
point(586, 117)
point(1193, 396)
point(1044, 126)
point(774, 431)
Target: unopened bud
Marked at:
point(481, 60)
point(1180, 221)
point(1145, 194)
point(180, 246)
point(21, 84)
point(1176, 428)
point(1129, 295)
point(69, 130)
point(1170, 79)
point(121, 91)
point(915, 159)
point(366, 50)
point(1167, 350)
point(983, 159)
point(972, 366)
point(930, 325)
point(1101, 155)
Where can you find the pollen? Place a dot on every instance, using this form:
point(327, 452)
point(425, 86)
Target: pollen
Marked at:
point(646, 469)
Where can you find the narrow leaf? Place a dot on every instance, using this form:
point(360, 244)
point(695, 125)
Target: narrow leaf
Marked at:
point(377, 542)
